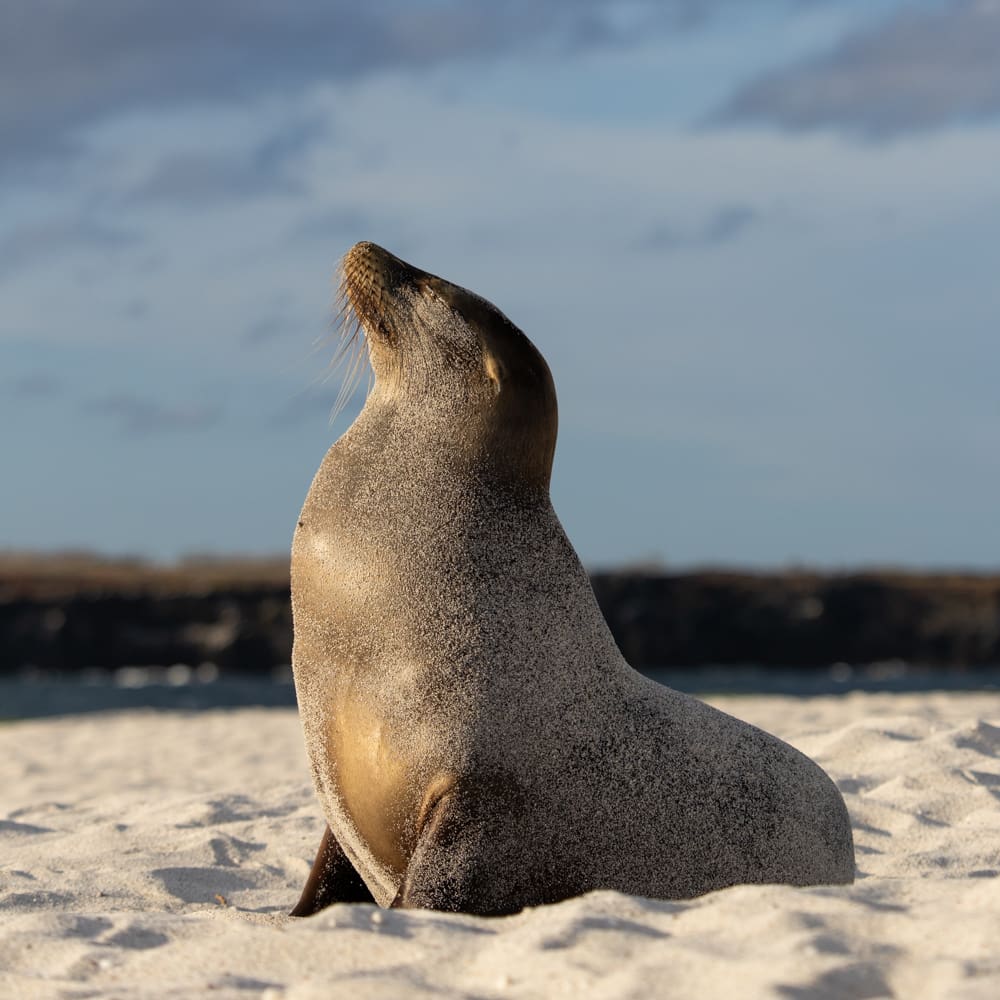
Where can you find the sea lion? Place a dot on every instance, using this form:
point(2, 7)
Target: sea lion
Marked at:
point(476, 738)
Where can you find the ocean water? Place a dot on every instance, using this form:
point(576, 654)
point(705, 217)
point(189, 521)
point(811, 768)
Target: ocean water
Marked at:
point(186, 689)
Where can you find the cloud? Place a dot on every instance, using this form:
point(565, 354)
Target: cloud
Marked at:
point(721, 227)
point(264, 330)
point(143, 416)
point(65, 64)
point(271, 327)
point(135, 309)
point(210, 178)
point(323, 400)
point(32, 242)
point(333, 223)
point(37, 385)
point(919, 69)
point(312, 404)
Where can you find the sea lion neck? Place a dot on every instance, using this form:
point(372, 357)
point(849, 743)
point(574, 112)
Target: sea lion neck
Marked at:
point(436, 438)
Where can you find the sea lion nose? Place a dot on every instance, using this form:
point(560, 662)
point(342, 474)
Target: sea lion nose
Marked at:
point(370, 257)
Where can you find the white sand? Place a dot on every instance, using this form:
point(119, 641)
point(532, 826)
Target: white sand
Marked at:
point(154, 855)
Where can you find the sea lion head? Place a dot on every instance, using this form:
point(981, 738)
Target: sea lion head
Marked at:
point(439, 348)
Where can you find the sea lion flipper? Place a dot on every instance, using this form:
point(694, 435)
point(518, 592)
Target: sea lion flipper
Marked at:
point(468, 859)
point(426, 883)
point(333, 879)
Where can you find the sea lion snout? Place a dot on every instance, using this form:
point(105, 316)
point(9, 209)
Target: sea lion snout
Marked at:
point(367, 264)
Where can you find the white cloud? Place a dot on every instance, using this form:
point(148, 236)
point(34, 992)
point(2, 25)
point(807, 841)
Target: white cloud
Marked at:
point(65, 64)
point(924, 67)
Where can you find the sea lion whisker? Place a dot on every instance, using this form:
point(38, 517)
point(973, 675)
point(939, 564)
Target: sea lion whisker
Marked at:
point(352, 357)
point(351, 380)
point(349, 358)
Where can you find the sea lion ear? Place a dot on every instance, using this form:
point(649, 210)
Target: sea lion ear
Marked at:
point(495, 371)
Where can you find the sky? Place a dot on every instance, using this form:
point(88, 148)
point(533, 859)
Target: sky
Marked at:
point(758, 244)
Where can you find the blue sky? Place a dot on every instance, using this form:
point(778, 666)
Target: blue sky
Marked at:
point(758, 244)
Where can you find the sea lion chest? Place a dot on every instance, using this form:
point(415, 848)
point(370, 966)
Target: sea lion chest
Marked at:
point(379, 728)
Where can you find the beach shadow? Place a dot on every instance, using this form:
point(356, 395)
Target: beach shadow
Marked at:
point(88, 927)
point(41, 900)
point(230, 852)
point(200, 885)
point(879, 906)
point(868, 828)
point(235, 809)
point(233, 982)
point(991, 782)
point(137, 939)
point(983, 737)
point(10, 826)
point(861, 981)
point(580, 928)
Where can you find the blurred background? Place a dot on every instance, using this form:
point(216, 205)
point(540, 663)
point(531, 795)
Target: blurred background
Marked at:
point(757, 243)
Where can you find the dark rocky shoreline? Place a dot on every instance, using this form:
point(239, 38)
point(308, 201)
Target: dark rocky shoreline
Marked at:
point(803, 619)
point(67, 615)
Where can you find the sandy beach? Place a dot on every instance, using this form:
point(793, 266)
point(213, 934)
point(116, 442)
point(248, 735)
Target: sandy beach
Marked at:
point(154, 854)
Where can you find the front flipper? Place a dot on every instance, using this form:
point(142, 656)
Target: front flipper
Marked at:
point(333, 879)
point(475, 854)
